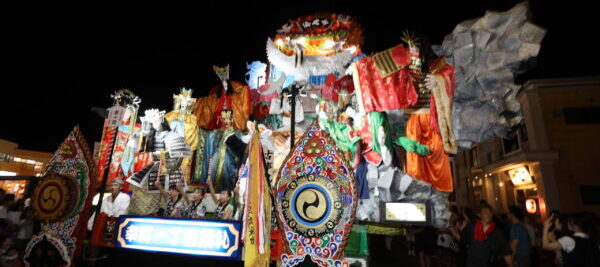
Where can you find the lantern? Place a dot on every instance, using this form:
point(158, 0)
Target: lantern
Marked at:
point(531, 205)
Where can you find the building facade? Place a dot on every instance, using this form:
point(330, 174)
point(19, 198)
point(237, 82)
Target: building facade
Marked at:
point(18, 165)
point(548, 162)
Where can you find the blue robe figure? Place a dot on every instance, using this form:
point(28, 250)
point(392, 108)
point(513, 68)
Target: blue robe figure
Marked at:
point(219, 155)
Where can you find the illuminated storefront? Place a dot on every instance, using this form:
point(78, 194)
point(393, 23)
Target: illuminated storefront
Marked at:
point(16, 185)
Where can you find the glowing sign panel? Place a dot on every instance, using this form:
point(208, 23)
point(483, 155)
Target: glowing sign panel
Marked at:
point(193, 237)
point(406, 212)
point(520, 176)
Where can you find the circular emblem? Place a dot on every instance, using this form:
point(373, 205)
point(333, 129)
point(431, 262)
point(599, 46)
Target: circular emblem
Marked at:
point(55, 197)
point(52, 196)
point(312, 205)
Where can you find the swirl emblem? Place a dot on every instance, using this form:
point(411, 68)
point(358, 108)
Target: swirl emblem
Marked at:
point(311, 205)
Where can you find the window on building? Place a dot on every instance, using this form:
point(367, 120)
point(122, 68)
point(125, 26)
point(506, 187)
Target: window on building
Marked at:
point(5, 158)
point(523, 133)
point(590, 195)
point(474, 157)
point(583, 115)
point(511, 143)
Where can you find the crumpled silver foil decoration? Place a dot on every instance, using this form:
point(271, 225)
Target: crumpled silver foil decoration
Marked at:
point(390, 184)
point(487, 53)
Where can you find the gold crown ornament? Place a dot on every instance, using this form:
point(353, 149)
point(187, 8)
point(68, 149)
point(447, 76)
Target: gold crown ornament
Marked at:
point(410, 39)
point(227, 114)
point(185, 99)
point(222, 72)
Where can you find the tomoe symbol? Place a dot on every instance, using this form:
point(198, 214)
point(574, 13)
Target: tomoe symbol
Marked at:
point(311, 205)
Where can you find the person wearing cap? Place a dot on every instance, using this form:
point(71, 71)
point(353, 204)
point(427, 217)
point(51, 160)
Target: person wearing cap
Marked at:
point(115, 203)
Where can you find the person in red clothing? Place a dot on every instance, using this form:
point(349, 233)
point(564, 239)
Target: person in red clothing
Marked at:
point(488, 245)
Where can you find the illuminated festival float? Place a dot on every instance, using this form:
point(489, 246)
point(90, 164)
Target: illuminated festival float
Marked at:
point(321, 145)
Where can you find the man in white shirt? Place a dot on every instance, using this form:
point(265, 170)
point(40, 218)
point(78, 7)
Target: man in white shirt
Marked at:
point(115, 204)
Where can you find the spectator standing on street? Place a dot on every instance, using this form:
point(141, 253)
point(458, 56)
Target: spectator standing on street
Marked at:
point(6, 202)
point(467, 216)
point(487, 245)
point(410, 240)
point(534, 239)
point(425, 244)
point(578, 249)
point(519, 238)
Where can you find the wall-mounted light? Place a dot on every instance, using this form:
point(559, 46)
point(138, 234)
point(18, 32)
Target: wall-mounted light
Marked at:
point(520, 176)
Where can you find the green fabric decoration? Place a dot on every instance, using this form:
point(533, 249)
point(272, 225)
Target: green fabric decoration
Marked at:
point(357, 245)
point(340, 133)
point(376, 120)
point(412, 146)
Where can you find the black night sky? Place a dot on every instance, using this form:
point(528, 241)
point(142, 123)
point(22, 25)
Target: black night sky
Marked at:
point(59, 61)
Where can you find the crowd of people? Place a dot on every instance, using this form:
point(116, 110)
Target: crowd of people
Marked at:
point(16, 228)
point(198, 205)
point(474, 238)
point(482, 238)
point(177, 202)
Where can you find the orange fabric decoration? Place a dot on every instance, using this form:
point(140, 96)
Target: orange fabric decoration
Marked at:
point(205, 108)
point(240, 103)
point(208, 109)
point(435, 168)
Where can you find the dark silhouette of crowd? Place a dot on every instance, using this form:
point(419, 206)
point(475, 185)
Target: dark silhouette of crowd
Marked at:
point(17, 225)
point(483, 238)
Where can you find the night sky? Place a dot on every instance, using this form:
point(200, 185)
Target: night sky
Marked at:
point(59, 61)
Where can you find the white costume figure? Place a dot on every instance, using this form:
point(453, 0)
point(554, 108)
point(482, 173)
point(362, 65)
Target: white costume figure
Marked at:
point(168, 149)
point(114, 204)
